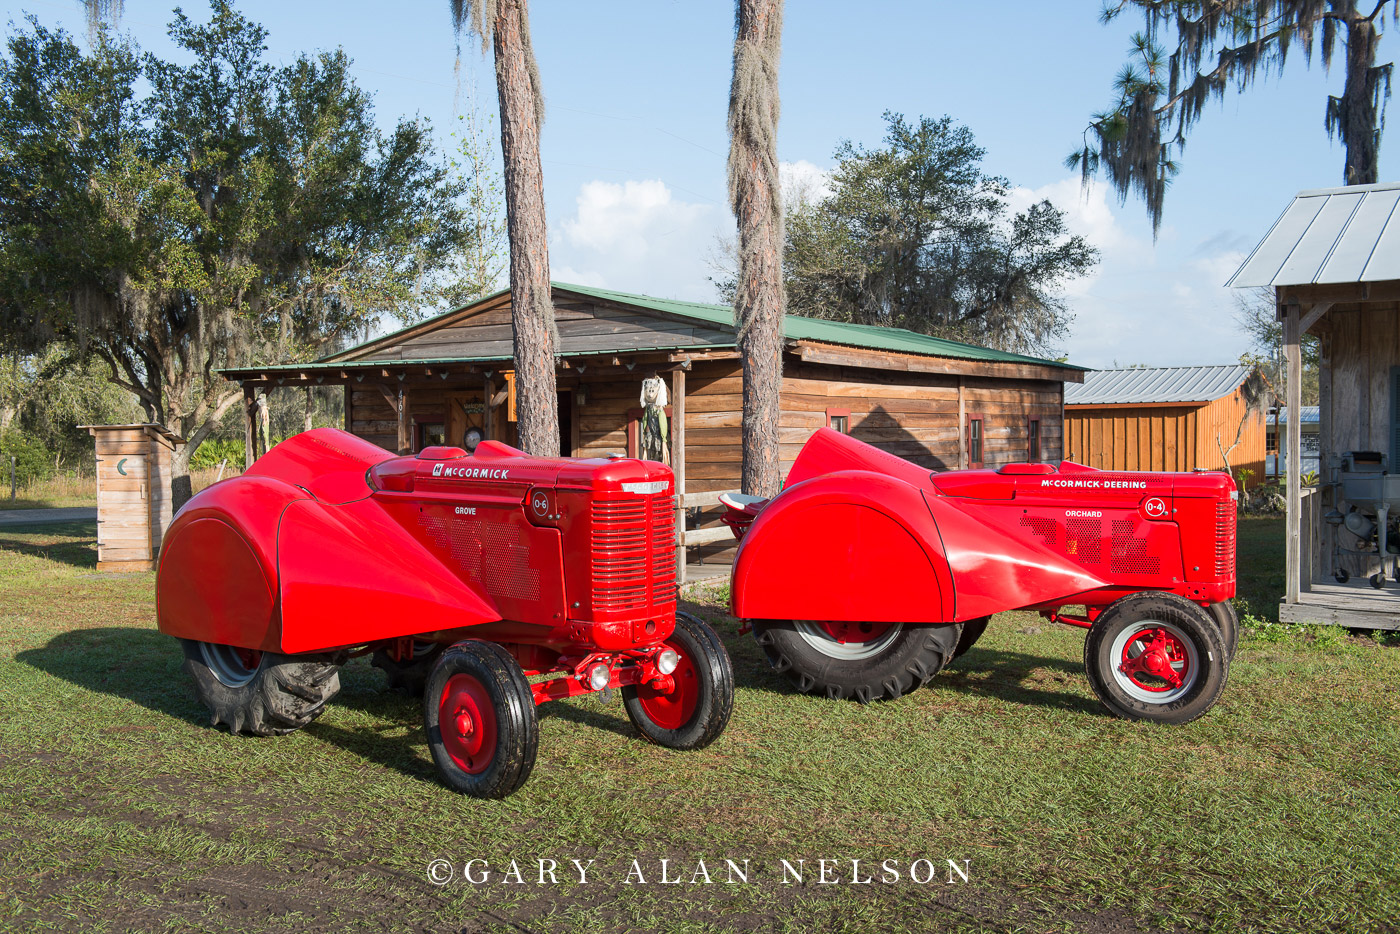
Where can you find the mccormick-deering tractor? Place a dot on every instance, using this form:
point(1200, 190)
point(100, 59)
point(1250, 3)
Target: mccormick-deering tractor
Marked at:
point(867, 574)
point(462, 575)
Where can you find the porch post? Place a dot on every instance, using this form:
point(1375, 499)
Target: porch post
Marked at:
point(678, 464)
point(405, 435)
point(1294, 515)
point(250, 417)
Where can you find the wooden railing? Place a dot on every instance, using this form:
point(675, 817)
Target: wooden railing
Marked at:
point(688, 538)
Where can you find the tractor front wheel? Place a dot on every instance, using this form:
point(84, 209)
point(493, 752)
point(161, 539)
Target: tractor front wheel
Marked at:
point(865, 661)
point(261, 693)
point(693, 708)
point(1228, 619)
point(1149, 657)
point(479, 712)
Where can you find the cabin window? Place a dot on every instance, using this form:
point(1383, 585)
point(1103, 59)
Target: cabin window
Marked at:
point(431, 433)
point(974, 441)
point(839, 420)
point(1033, 440)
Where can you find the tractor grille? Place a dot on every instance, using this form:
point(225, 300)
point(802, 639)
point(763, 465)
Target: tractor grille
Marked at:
point(1225, 540)
point(634, 552)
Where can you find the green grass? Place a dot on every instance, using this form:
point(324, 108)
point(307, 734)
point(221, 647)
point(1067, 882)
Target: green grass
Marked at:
point(124, 810)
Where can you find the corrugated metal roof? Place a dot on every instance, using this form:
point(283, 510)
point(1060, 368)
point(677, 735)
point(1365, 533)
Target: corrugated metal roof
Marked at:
point(797, 327)
point(1311, 415)
point(1329, 235)
point(1157, 384)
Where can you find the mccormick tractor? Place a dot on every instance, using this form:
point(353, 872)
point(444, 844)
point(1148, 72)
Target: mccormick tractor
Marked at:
point(465, 576)
point(867, 574)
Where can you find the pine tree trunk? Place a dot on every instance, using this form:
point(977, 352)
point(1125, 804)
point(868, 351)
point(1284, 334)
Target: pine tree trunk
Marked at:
point(759, 302)
point(532, 311)
point(1357, 108)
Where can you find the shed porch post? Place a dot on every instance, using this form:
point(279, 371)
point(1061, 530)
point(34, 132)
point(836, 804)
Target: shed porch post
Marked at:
point(250, 416)
point(1293, 356)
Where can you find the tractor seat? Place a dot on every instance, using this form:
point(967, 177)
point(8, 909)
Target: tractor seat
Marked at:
point(740, 502)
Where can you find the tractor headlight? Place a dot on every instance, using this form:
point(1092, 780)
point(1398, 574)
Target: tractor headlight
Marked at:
point(599, 676)
point(667, 660)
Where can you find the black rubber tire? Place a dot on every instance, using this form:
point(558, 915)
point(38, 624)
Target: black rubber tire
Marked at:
point(971, 631)
point(1193, 622)
point(410, 676)
point(914, 656)
point(512, 703)
point(284, 694)
point(696, 641)
point(1228, 620)
point(1341, 576)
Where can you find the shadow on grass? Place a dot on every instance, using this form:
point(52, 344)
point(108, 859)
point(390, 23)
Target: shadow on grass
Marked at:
point(141, 665)
point(53, 542)
point(1014, 677)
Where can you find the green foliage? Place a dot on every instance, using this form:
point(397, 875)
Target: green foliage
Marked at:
point(48, 395)
point(235, 211)
point(33, 461)
point(217, 450)
point(915, 235)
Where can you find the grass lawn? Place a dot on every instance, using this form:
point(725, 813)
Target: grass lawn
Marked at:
point(124, 810)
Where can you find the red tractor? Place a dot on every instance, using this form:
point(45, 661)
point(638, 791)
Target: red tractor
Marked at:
point(492, 582)
point(867, 574)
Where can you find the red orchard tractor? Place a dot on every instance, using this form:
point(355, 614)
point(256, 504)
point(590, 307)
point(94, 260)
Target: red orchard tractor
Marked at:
point(463, 575)
point(867, 574)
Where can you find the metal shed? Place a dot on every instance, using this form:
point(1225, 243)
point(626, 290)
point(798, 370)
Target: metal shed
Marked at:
point(1333, 261)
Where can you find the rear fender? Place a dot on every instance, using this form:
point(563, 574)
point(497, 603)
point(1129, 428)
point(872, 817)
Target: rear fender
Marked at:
point(851, 545)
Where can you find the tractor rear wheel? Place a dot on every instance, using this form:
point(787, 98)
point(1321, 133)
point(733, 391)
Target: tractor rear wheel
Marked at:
point(261, 693)
point(696, 709)
point(1229, 622)
point(1150, 657)
point(865, 661)
point(971, 631)
point(479, 712)
point(409, 675)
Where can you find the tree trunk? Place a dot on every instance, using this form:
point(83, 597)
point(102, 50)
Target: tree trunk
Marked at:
point(759, 302)
point(1355, 112)
point(532, 310)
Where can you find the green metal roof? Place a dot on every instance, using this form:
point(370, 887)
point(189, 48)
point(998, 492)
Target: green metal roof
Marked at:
point(798, 327)
point(795, 327)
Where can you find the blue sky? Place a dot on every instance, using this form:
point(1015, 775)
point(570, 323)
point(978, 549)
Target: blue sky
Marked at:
point(634, 140)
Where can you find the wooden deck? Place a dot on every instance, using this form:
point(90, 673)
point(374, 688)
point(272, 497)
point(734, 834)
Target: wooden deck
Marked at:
point(1354, 604)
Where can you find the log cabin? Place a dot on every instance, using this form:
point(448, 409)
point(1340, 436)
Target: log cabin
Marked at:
point(449, 380)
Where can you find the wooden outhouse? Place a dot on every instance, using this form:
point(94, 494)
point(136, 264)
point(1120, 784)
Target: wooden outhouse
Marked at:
point(1177, 418)
point(134, 505)
point(449, 379)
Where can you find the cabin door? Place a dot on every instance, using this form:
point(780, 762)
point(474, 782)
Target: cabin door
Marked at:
point(466, 411)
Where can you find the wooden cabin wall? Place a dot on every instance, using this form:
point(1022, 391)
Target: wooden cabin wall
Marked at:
point(1362, 347)
point(915, 416)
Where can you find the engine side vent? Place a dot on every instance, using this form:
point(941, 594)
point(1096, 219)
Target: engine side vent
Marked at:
point(1042, 526)
point(663, 550)
point(1130, 551)
point(1084, 539)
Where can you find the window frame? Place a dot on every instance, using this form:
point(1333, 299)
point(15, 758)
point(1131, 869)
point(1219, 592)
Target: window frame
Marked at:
point(980, 461)
point(1033, 437)
point(832, 414)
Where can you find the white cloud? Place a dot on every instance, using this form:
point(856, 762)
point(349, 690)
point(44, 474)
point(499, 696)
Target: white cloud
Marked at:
point(803, 180)
point(636, 237)
point(1161, 304)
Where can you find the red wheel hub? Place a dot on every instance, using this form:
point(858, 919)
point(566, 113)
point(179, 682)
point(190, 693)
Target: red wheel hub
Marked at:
point(1155, 660)
point(670, 706)
point(467, 722)
point(844, 632)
